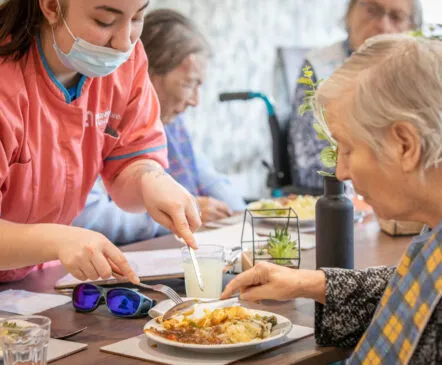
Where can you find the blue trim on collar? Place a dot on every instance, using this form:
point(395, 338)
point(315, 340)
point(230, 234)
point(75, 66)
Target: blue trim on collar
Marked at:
point(80, 85)
point(65, 92)
point(142, 152)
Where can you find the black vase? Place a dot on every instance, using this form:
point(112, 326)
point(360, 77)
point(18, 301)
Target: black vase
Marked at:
point(334, 227)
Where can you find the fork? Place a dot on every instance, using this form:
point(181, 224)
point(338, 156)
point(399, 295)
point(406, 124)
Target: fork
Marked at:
point(188, 304)
point(168, 291)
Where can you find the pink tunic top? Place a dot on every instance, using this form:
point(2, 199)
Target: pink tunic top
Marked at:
point(53, 149)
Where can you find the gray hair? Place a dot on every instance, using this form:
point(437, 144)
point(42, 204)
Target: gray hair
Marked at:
point(416, 16)
point(391, 78)
point(168, 38)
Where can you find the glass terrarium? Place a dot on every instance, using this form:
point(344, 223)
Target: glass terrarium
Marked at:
point(271, 235)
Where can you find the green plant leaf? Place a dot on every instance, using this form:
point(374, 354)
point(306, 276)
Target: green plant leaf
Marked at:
point(305, 81)
point(281, 247)
point(329, 156)
point(304, 108)
point(320, 131)
point(325, 173)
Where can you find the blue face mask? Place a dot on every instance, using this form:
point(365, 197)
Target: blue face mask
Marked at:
point(91, 60)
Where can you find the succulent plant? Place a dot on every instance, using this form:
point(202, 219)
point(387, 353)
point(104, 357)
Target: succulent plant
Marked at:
point(281, 247)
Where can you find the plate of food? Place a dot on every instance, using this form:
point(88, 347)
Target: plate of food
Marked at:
point(277, 210)
point(219, 330)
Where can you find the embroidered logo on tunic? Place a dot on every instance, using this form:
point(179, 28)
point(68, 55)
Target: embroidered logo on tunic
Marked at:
point(100, 119)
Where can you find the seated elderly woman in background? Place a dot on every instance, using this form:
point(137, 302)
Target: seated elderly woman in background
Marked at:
point(178, 54)
point(383, 107)
point(364, 19)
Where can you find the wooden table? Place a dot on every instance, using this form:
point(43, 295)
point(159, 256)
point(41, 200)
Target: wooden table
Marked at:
point(372, 248)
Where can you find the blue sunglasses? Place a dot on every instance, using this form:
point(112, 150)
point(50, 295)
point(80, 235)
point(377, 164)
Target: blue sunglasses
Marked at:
point(121, 302)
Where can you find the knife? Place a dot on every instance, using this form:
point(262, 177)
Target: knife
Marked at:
point(195, 264)
point(196, 267)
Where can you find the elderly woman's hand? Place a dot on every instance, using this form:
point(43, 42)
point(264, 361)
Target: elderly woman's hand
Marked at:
point(269, 281)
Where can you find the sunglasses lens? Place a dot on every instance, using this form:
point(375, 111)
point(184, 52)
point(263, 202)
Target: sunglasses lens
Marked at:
point(123, 302)
point(86, 297)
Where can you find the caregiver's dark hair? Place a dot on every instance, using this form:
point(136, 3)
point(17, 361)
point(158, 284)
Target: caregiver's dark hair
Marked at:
point(20, 23)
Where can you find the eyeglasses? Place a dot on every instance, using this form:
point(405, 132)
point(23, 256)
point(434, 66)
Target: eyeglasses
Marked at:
point(121, 302)
point(375, 11)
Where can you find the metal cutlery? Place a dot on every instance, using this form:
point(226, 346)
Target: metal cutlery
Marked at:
point(195, 264)
point(188, 304)
point(171, 294)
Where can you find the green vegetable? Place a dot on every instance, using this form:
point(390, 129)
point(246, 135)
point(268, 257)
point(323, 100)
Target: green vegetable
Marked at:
point(281, 247)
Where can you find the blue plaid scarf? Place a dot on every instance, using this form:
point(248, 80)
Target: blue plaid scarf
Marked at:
point(406, 306)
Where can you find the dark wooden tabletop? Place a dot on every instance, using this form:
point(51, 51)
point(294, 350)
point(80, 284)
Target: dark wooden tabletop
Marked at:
point(372, 248)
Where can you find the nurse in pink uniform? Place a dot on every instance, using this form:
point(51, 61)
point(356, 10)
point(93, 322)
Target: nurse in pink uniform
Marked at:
point(76, 102)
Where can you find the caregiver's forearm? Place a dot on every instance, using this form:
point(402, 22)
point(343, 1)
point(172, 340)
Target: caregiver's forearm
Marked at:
point(26, 244)
point(126, 189)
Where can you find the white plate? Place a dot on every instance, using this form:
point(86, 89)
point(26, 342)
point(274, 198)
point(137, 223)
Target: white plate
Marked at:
point(358, 215)
point(278, 220)
point(280, 330)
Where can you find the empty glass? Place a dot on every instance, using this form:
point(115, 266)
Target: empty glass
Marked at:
point(211, 262)
point(24, 340)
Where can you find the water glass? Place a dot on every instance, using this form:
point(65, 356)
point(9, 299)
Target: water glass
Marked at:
point(211, 262)
point(24, 340)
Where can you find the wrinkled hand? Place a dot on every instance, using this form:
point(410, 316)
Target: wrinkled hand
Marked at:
point(171, 205)
point(90, 255)
point(212, 209)
point(269, 281)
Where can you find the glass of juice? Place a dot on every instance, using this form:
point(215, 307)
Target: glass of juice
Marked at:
point(24, 340)
point(211, 262)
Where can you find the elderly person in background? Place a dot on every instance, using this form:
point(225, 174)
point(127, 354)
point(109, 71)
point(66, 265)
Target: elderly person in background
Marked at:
point(364, 19)
point(383, 107)
point(178, 55)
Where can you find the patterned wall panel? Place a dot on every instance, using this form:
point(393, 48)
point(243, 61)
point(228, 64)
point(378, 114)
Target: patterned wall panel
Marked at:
point(244, 35)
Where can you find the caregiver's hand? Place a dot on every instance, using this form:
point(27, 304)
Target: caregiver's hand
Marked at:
point(269, 281)
point(171, 205)
point(89, 255)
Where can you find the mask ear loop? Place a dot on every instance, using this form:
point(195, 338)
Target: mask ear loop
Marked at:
point(64, 21)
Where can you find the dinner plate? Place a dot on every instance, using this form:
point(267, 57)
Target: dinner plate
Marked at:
point(279, 220)
point(280, 330)
point(357, 217)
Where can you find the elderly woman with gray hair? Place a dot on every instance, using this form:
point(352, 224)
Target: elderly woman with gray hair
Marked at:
point(383, 107)
point(363, 19)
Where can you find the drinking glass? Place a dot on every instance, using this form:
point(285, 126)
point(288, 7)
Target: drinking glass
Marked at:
point(211, 262)
point(24, 340)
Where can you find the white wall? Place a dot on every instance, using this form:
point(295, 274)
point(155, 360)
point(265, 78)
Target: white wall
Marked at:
point(432, 11)
point(244, 35)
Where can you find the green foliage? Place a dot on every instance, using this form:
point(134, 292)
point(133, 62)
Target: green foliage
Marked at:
point(433, 30)
point(329, 154)
point(281, 247)
point(325, 173)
